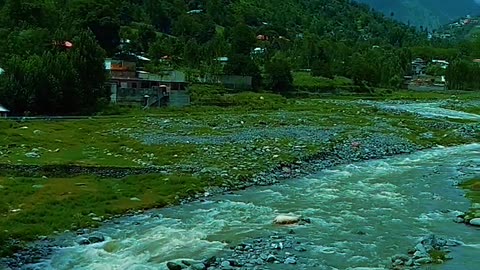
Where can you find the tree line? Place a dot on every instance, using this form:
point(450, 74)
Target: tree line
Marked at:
point(329, 37)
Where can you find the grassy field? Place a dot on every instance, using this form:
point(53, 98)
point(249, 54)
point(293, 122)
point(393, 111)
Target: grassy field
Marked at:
point(198, 147)
point(473, 193)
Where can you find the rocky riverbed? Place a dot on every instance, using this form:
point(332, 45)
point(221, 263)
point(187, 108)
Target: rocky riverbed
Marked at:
point(254, 146)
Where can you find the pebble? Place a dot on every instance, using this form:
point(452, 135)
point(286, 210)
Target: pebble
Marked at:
point(475, 222)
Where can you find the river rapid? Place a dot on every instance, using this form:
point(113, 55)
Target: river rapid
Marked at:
point(361, 215)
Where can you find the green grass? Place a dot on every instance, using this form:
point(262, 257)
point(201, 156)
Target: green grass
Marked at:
point(30, 207)
point(472, 188)
point(57, 204)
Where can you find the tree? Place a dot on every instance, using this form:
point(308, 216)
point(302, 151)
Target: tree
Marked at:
point(101, 17)
point(242, 39)
point(239, 64)
point(279, 74)
point(59, 81)
point(146, 36)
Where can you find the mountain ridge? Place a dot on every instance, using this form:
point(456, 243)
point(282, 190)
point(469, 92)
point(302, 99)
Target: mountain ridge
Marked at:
point(429, 14)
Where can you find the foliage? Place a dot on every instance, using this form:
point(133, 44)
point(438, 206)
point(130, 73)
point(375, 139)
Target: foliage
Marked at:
point(57, 82)
point(463, 75)
point(279, 74)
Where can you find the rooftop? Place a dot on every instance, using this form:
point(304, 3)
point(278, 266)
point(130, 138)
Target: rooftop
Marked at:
point(3, 109)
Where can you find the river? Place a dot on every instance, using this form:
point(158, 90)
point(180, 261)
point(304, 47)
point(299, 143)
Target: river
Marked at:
point(361, 214)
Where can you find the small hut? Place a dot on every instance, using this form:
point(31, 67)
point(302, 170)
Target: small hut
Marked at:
point(3, 111)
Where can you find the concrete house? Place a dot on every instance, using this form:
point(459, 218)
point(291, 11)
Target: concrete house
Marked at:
point(419, 67)
point(130, 84)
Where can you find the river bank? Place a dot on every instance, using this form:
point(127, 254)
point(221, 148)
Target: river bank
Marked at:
point(360, 215)
point(244, 150)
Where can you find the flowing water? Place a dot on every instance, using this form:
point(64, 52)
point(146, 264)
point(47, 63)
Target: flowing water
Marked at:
point(433, 110)
point(392, 201)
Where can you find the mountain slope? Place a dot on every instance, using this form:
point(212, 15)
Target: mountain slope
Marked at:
point(425, 13)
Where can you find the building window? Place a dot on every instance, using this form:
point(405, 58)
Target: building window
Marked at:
point(134, 85)
point(145, 85)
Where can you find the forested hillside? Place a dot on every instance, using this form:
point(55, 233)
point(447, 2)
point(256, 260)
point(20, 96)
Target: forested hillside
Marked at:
point(52, 51)
point(429, 14)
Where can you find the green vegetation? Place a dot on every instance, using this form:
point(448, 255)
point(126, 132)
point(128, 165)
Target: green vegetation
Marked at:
point(33, 205)
point(438, 256)
point(320, 35)
point(473, 193)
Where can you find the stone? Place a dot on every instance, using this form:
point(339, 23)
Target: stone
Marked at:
point(210, 261)
point(225, 264)
point(453, 243)
point(426, 260)
point(475, 222)
point(135, 199)
point(83, 241)
point(421, 248)
point(286, 219)
point(290, 260)
point(96, 219)
point(198, 266)
point(397, 263)
point(419, 254)
point(271, 258)
point(401, 257)
point(459, 220)
point(96, 238)
point(32, 155)
point(173, 266)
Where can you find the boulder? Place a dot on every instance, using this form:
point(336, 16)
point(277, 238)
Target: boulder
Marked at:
point(83, 241)
point(286, 219)
point(475, 222)
point(96, 238)
point(210, 261)
point(198, 266)
point(271, 258)
point(290, 260)
point(173, 266)
point(401, 257)
point(426, 260)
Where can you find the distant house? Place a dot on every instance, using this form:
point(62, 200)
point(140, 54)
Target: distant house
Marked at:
point(131, 84)
point(3, 111)
point(440, 63)
point(419, 67)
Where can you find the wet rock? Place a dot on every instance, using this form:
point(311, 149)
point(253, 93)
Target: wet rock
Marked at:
point(426, 260)
point(174, 266)
point(83, 241)
point(286, 219)
point(401, 257)
point(398, 262)
point(475, 222)
point(96, 238)
point(210, 261)
point(459, 220)
point(271, 258)
point(290, 260)
point(225, 265)
point(198, 266)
